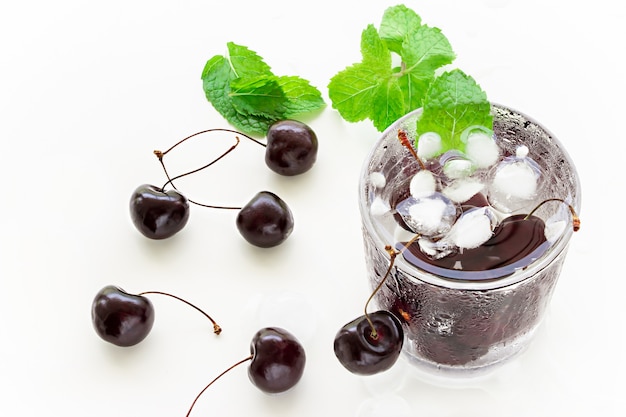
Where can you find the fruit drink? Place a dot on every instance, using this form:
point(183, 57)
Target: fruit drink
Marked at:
point(479, 254)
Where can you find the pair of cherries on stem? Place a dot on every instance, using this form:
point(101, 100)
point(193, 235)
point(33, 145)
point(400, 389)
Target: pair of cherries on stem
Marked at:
point(277, 359)
point(265, 221)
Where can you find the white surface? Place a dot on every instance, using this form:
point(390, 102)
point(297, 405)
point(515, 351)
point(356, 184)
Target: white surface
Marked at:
point(88, 90)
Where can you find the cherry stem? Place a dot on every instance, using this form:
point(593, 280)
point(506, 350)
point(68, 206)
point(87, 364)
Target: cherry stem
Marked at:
point(575, 218)
point(404, 140)
point(171, 180)
point(216, 328)
point(392, 258)
point(159, 154)
point(211, 383)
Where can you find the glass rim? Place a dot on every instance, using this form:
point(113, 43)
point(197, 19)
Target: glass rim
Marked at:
point(464, 279)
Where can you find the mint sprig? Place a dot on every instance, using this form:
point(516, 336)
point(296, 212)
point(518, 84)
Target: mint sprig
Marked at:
point(375, 89)
point(243, 89)
point(453, 103)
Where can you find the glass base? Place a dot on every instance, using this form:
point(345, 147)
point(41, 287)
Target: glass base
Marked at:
point(473, 372)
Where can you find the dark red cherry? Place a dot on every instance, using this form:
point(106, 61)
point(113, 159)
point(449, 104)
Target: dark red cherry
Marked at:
point(362, 353)
point(291, 147)
point(158, 214)
point(121, 318)
point(265, 221)
point(278, 360)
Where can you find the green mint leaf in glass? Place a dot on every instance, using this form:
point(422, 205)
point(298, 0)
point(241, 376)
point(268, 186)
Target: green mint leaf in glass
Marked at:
point(397, 23)
point(453, 103)
point(243, 89)
point(423, 51)
point(388, 104)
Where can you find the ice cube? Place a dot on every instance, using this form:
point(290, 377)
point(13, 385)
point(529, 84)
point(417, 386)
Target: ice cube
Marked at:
point(428, 145)
point(379, 207)
point(462, 190)
point(522, 151)
point(435, 249)
point(473, 228)
point(423, 184)
point(517, 179)
point(378, 180)
point(514, 184)
point(456, 165)
point(482, 149)
point(429, 216)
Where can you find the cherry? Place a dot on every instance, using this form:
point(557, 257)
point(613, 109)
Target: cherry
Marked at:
point(277, 361)
point(156, 213)
point(121, 318)
point(291, 147)
point(372, 342)
point(266, 220)
point(360, 352)
point(126, 319)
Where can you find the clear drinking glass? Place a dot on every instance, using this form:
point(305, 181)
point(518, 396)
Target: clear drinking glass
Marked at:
point(465, 322)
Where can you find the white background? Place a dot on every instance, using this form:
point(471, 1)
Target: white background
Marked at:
point(89, 89)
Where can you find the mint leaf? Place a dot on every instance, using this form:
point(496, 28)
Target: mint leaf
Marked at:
point(243, 89)
point(216, 78)
point(397, 23)
point(301, 96)
point(424, 50)
point(251, 124)
point(353, 90)
point(246, 63)
point(414, 87)
point(374, 51)
point(453, 103)
point(388, 104)
point(259, 95)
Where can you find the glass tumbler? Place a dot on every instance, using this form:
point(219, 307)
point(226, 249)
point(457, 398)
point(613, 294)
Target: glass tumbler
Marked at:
point(465, 322)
